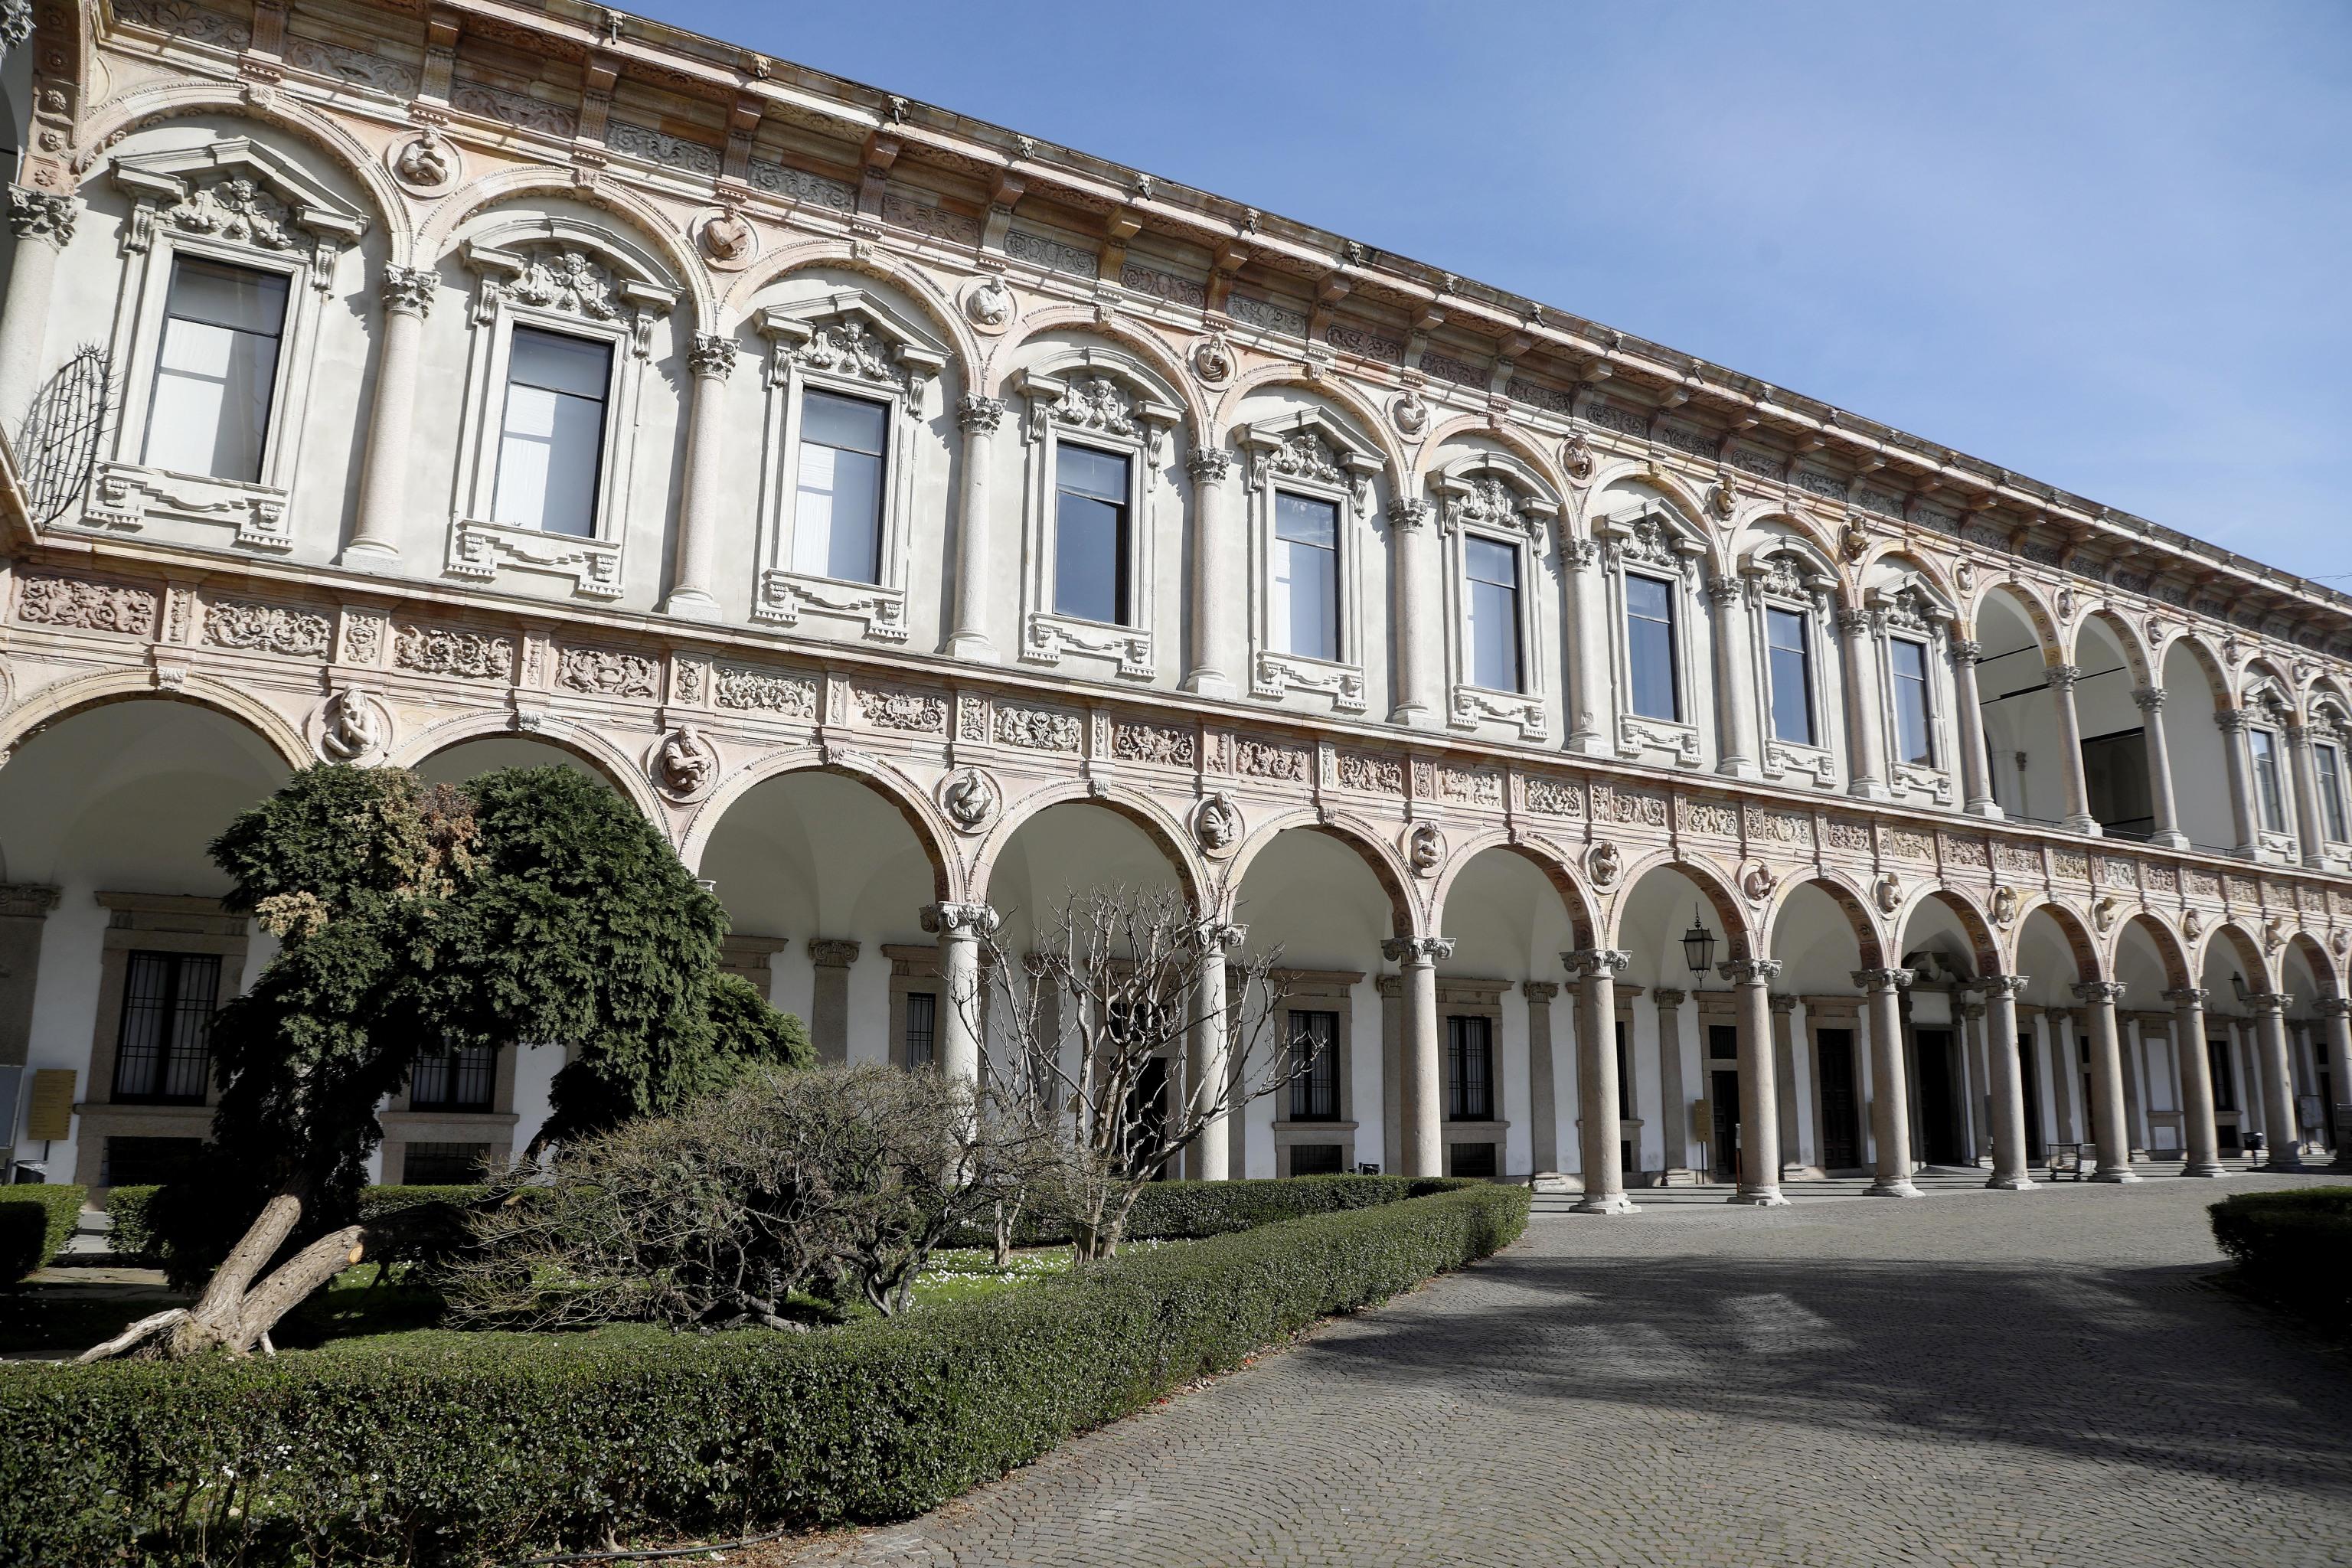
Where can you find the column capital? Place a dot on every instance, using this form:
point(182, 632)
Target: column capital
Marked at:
point(976, 415)
point(2333, 1006)
point(2298, 735)
point(1966, 650)
point(1598, 962)
point(1415, 950)
point(959, 920)
point(832, 953)
point(1749, 971)
point(26, 901)
point(711, 355)
point(1995, 986)
point(1722, 591)
point(407, 291)
point(42, 215)
point(2097, 992)
point(1882, 979)
point(2189, 996)
point(2269, 1002)
point(1407, 514)
point(1853, 622)
point(2229, 720)
point(2061, 677)
point(1541, 993)
point(2148, 699)
point(1784, 1002)
point(1219, 936)
point(1668, 998)
point(1972, 1011)
point(1208, 465)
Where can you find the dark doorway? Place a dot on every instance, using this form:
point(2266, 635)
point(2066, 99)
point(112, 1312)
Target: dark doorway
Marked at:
point(1724, 1146)
point(2035, 1147)
point(1940, 1137)
point(1840, 1124)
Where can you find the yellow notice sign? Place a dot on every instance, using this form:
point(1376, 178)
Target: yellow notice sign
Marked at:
point(49, 1112)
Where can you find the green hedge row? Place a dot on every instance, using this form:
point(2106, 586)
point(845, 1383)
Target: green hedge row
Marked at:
point(2296, 1244)
point(444, 1449)
point(133, 1211)
point(36, 1221)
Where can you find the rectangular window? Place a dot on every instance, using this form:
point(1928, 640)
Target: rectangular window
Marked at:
point(1914, 740)
point(1469, 1068)
point(462, 1080)
point(2266, 779)
point(837, 506)
point(216, 370)
point(1090, 535)
point(1315, 1160)
point(2330, 768)
point(444, 1164)
point(922, 1028)
point(1472, 1159)
point(1314, 1040)
point(1790, 672)
point(1650, 647)
point(1493, 569)
point(165, 1055)
point(1304, 617)
point(551, 441)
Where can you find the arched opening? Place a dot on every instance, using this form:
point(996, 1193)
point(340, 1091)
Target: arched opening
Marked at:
point(1503, 1036)
point(2117, 777)
point(2020, 709)
point(114, 951)
point(2234, 978)
point(2053, 957)
point(825, 881)
point(2150, 966)
point(1316, 895)
point(1677, 1028)
point(2308, 981)
point(1820, 1048)
point(2202, 776)
point(1948, 949)
point(493, 753)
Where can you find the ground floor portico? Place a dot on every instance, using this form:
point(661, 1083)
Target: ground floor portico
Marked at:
point(1841, 1382)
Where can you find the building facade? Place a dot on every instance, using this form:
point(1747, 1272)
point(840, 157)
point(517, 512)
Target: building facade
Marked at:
point(1648, 774)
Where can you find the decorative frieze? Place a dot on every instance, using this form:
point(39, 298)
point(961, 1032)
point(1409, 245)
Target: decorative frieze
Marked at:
point(1373, 774)
point(1272, 760)
point(1711, 817)
point(75, 604)
point(602, 673)
point(1165, 744)
point(916, 712)
point(1615, 802)
point(468, 656)
point(1556, 798)
point(1470, 786)
point(762, 692)
point(1039, 728)
point(265, 628)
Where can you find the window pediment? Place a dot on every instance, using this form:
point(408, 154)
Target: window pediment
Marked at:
point(239, 192)
point(848, 334)
point(1781, 572)
point(1650, 537)
point(1095, 392)
point(1487, 499)
point(1312, 448)
point(1909, 607)
point(570, 277)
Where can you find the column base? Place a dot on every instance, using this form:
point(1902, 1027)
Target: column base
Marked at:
point(1899, 1188)
point(2210, 1168)
point(691, 605)
point(1738, 768)
point(1989, 811)
point(1589, 743)
point(1867, 789)
point(370, 556)
point(971, 646)
point(2116, 1175)
point(1414, 715)
point(2021, 1182)
point(2170, 838)
point(2088, 826)
point(1760, 1198)
point(1208, 683)
point(2292, 1162)
point(1606, 1203)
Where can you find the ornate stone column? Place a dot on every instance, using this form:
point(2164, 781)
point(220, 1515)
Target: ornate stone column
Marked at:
point(1598, 1130)
point(968, 638)
point(1412, 530)
point(2335, 1014)
point(1738, 731)
point(407, 296)
point(1976, 776)
point(1865, 763)
point(2005, 1078)
point(1890, 1090)
point(958, 928)
point(2061, 680)
point(2231, 722)
point(2309, 836)
point(1421, 1061)
point(1591, 705)
point(2109, 1128)
point(1543, 1081)
point(1210, 1156)
point(1215, 601)
point(2277, 1071)
point(1675, 1098)
point(2163, 803)
point(43, 222)
point(709, 358)
point(2204, 1156)
point(1760, 1099)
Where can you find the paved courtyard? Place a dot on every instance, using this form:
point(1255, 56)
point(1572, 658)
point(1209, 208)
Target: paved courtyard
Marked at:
point(1970, 1379)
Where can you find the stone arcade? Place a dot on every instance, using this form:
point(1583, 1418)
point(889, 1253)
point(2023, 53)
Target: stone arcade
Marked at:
point(1650, 775)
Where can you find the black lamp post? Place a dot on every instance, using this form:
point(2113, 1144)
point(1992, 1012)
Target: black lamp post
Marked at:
point(1699, 945)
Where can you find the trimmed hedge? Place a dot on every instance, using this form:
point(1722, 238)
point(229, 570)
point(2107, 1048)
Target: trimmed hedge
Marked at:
point(2296, 1244)
point(36, 1219)
point(444, 1449)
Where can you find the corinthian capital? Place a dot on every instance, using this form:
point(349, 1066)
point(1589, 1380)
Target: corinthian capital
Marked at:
point(1601, 963)
point(2147, 699)
point(975, 413)
point(41, 214)
point(1995, 986)
point(1882, 979)
point(1407, 514)
point(711, 355)
point(1208, 465)
point(407, 291)
point(2109, 992)
point(1966, 650)
point(2187, 996)
point(959, 920)
point(1415, 949)
point(1749, 971)
point(2061, 677)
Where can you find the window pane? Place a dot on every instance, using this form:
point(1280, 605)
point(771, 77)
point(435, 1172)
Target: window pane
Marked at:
point(214, 369)
point(1790, 674)
point(2331, 789)
point(1315, 1092)
point(1913, 738)
point(163, 1051)
point(1493, 636)
point(850, 423)
point(1090, 558)
point(2266, 779)
point(1650, 647)
point(922, 1027)
point(1102, 475)
point(837, 513)
point(551, 441)
point(1303, 616)
point(1469, 1069)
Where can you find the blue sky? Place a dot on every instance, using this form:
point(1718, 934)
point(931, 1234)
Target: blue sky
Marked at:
point(2105, 246)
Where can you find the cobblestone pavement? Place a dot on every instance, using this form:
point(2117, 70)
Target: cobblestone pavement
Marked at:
point(1973, 1378)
